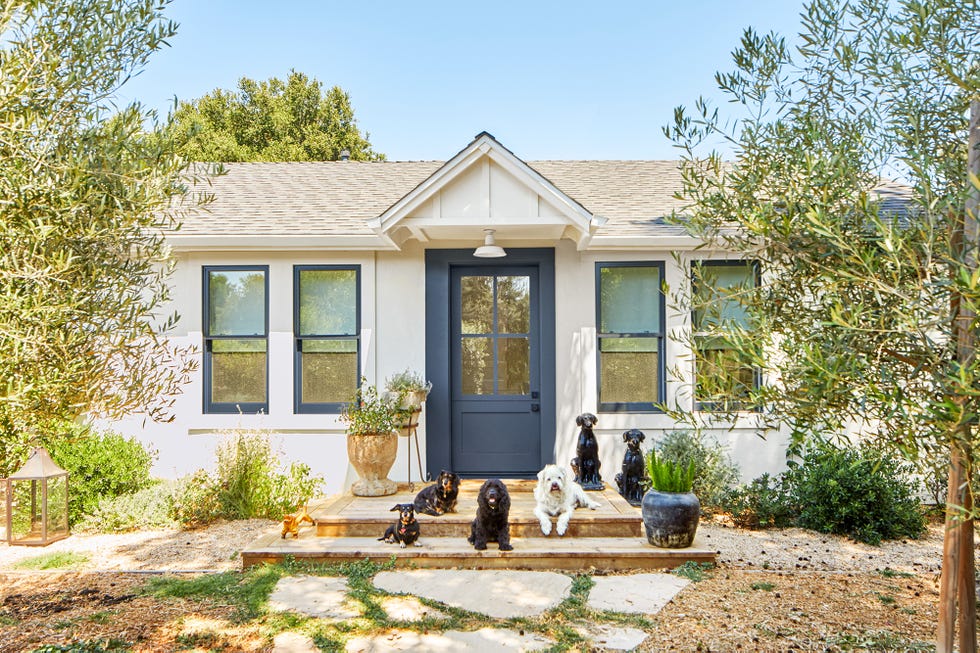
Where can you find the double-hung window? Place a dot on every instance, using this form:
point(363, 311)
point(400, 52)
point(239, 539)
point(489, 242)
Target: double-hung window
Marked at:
point(724, 375)
point(630, 333)
point(326, 326)
point(236, 339)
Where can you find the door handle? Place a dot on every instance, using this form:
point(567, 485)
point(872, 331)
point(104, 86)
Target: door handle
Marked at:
point(535, 408)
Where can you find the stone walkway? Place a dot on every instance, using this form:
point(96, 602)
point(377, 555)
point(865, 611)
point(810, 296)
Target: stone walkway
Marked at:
point(498, 594)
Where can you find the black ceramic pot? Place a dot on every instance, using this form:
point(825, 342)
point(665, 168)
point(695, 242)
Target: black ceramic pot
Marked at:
point(670, 518)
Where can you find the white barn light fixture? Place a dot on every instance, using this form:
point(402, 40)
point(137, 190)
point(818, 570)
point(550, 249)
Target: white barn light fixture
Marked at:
point(489, 249)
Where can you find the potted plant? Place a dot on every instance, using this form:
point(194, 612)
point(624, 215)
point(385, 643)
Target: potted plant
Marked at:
point(372, 440)
point(670, 510)
point(408, 388)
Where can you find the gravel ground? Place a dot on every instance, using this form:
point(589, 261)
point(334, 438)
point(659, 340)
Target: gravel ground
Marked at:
point(218, 546)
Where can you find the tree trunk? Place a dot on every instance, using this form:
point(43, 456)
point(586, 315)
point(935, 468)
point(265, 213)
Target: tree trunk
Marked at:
point(958, 579)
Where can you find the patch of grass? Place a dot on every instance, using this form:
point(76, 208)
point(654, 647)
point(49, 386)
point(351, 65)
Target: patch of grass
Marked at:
point(64, 624)
point(7, 620)
point(766, 587)
point(57, 560)
point(888, 572)
point(206, 640)
point(885, 598)
point(693, 571)
point(248, 591)
point(102, 617)
point(111, 645)
point(879, 641)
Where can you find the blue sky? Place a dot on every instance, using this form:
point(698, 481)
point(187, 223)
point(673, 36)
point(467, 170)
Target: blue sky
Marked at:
point(551, 80)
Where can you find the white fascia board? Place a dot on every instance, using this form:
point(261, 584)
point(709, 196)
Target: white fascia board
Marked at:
point(418, 195)
point(643, 242)
point(500, 155)
point(239, 243)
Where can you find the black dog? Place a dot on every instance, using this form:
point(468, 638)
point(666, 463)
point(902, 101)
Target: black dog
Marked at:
point(440, 498)
point(492, 517)
point(586, 464)
point(633, 477)
point(405, 531)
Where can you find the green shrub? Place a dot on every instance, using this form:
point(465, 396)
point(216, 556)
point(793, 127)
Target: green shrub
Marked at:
point(100, 466)
point(714, 472)
point(246, 484)
point(763, 503)
point(150, 508)
point(195, 500)
point(860, 493)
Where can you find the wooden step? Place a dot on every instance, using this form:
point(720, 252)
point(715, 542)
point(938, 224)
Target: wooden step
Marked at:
point(567, 553)
point(350, 516)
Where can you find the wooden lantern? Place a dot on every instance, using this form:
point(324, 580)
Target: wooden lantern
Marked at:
point(37, 502)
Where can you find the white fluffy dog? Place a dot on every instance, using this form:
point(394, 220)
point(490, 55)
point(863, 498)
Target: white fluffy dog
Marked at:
point(556, 494)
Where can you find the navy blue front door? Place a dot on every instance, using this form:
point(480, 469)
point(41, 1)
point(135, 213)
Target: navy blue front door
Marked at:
point(496, 370)
point(490, 354)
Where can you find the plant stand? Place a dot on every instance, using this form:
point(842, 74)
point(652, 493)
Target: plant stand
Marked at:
point(409, 430)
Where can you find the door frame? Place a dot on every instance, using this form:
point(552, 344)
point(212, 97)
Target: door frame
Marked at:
point(438, 266)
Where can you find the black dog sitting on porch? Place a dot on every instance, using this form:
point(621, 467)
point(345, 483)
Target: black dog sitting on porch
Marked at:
point(586, 463)
point(492, 523)
point(405, 531)
point(633, 477)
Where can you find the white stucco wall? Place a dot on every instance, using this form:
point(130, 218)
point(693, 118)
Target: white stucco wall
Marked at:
point(392, 339)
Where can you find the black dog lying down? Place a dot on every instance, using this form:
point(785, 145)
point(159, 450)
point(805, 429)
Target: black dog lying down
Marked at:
point(440, 498)
point(492, 517)
point(405, 531)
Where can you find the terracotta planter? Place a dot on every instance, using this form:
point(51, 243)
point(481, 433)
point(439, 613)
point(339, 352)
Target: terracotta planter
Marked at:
point(670, 518)
point(372, 456)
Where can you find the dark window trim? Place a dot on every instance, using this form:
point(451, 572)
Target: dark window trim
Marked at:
point(225, 407)
point(312, 408)
point(631, 407)
point(715, 406)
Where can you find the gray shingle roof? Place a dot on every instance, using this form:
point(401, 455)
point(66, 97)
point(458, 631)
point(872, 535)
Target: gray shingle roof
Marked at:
point(332, 198)
point(339, 197)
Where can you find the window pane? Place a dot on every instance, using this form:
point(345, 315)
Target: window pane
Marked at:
point(513, 304)
point(514, 369)
point(714, 300)
point(477, 355)
point(629, 370)
point(629, 299)
point(327, 302)
point(328, 371)
point(724, 377)
point(236, 302)
point(477, 304)
point(238, 371)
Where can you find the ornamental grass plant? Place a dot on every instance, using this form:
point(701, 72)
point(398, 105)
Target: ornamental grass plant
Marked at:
point(669, 476)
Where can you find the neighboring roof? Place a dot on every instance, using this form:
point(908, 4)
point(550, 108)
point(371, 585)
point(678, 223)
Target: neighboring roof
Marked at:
point(339, 197)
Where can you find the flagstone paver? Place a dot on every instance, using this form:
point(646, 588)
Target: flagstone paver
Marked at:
point(288, 642)
point(485, 640)
point(503, 594)
point(636, 593)
point(409, 608)
point(317, 596)
point(612, 638)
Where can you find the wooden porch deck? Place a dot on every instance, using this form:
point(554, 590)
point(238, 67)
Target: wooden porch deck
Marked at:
point(347, 528)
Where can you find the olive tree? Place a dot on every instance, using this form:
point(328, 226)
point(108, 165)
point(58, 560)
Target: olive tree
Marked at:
point(85, 200)
point(865, 305)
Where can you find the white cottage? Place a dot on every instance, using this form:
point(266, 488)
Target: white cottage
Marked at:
point(304, 277)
